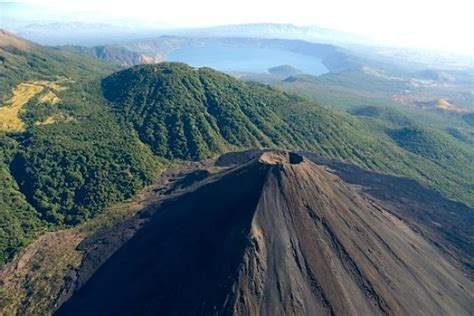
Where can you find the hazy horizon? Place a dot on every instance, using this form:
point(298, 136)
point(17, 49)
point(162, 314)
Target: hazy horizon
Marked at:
point(401, 24)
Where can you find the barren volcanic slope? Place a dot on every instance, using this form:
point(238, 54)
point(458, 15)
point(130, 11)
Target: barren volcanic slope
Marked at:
point(277, 235)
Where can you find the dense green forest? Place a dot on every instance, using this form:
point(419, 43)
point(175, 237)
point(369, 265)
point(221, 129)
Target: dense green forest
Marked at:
point(69, 171)
point(189, 113)
point(59, 174)
point(107, 134)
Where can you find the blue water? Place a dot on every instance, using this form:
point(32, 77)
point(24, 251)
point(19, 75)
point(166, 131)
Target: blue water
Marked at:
point(244, 59)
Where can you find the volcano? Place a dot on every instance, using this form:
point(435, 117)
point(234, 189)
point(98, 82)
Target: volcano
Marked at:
point(274, 235)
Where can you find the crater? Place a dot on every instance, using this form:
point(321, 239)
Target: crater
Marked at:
point(295, 158)
point(280, 157)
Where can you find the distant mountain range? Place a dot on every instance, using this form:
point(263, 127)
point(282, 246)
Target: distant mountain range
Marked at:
point(80, 33)
point(282, 31)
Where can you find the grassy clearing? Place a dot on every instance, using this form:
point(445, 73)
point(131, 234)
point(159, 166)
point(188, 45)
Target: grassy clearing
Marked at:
point(9, 113)
point(60, 117)
point(49, 120)
point(10, 120)
point(49, 97)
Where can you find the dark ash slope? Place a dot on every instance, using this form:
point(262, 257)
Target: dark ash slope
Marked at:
point(278, 235)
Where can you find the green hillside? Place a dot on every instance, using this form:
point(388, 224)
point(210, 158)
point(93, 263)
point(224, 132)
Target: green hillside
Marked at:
point(449, 149)
point(18, 219)
point(189, 113)
point(21, 61)
point(428, 144)
point(70, 157)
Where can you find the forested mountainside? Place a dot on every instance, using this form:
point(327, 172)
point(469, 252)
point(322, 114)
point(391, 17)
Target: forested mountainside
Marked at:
point(190, 113)
point(64, 155)
point(76, 138)
point(21, 60)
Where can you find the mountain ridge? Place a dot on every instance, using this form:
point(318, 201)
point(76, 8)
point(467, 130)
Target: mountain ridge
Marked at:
point(201, 111)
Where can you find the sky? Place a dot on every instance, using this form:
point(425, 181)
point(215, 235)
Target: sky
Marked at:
point(436, 24)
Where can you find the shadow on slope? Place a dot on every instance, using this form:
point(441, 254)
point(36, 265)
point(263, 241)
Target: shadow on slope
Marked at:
point(190, 251)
